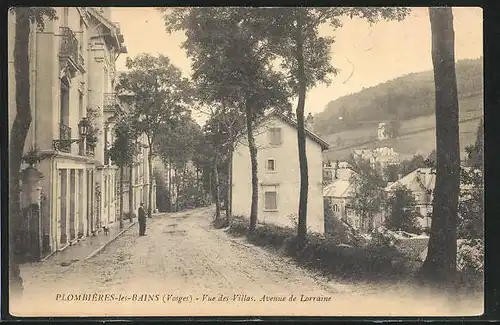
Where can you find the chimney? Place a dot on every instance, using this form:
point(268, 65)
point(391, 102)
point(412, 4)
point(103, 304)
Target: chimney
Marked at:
point(336, 169)
point(309, 123)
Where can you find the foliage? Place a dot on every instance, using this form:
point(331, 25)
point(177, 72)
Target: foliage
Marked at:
point(471, 204)
point(373, 260)
point(475, 153)
point(162, 195)
point(160, 98)
point(368, 190)
point(230, 68)
point(221, 223)
point(404, 98)
point(190, 194)
point(335, 227)
point(93, 132)
point(470, 256)
point(177, 142)
point(33, 156)
point(37, 15)
point(124, 149)
point(228, 60)
point(402, 215)
point(392, 172)
point(160, 94)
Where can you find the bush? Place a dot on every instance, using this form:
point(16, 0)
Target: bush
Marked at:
point(470, 262)
point(377, 257)
point(238, 225)
point(270, 235)
point(220, 223)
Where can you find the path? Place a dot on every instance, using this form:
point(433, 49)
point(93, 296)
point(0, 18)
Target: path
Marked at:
point(182, 256)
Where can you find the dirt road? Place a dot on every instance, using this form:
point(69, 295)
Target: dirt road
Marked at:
point(183, 267)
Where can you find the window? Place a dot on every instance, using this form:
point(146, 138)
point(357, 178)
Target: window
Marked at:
point(418, 209)
point(80, 104)
point(270, 200)
point(271, 165)
point(64, 96)
point(275, 136)
point(335, 208)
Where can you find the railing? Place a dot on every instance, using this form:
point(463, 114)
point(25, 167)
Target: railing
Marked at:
point(90, 150)
point(110, 100)
point(69, 44)
point(64, 141)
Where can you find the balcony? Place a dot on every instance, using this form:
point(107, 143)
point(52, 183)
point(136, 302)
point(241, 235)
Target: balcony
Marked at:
point(64, 142)
point(90, 150)
point(69, 51)
point(110, 101)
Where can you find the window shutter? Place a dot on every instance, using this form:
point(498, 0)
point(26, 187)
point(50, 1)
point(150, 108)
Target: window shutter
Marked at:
point(270, 199)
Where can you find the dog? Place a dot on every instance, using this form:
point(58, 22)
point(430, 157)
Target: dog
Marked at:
point(105, 229)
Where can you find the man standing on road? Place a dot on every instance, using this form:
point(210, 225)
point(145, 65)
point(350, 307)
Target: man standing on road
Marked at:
point(142, 220)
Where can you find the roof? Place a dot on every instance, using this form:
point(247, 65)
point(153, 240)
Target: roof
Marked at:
point(340, 188)
point(112, 27)
point(274, 113)
point(423, 178)
point(342, 172)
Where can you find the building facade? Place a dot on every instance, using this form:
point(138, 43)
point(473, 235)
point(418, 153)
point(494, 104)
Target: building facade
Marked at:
point(279, 174)
point(378, 157)
point(72, 80)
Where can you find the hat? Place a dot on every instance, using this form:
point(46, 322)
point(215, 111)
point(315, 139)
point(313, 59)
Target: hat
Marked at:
point(142, 203)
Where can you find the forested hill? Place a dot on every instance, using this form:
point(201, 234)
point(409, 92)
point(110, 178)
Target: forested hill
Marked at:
point(403, 98)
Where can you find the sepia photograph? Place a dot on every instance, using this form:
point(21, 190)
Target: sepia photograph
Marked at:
point(245, 161)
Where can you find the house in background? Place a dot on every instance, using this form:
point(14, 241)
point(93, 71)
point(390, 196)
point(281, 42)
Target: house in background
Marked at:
point(336, 170)
point(279, 173)
point(336, 199)
point(381, 157)
point(421, 183)
point(337, 196)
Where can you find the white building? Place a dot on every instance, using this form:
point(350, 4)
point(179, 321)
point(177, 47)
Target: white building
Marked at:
point(279, 174)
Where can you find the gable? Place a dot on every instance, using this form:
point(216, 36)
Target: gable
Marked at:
point(276, 117)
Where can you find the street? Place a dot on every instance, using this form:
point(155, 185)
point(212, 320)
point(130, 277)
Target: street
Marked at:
point(184, 267)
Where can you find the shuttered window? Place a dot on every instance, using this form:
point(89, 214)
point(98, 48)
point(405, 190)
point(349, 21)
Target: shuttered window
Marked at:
point(275, 138)
point(270, 200)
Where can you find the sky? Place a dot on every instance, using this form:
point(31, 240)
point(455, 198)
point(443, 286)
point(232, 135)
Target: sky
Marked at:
point(365, 55)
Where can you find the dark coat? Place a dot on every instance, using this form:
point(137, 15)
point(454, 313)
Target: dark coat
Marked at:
point(141, 214)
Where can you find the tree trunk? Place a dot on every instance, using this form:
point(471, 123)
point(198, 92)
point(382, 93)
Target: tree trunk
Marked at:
point(229, 185)
point(170, 186)
point(440, 263)
point(216, 186)
point(150, 179)
point(121, 196)
point(131, 193)
point(18, 136)
point(253, 159)
point(301, 134)
point(177, 188)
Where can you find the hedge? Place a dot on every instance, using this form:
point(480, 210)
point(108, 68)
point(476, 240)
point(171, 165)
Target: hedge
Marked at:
point(325, 253)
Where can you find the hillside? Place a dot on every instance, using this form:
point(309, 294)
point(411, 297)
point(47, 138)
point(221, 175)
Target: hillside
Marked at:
point(412, 98)
point(403, 98)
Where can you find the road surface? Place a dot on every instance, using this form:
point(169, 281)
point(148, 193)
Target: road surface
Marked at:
point(184, 267)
